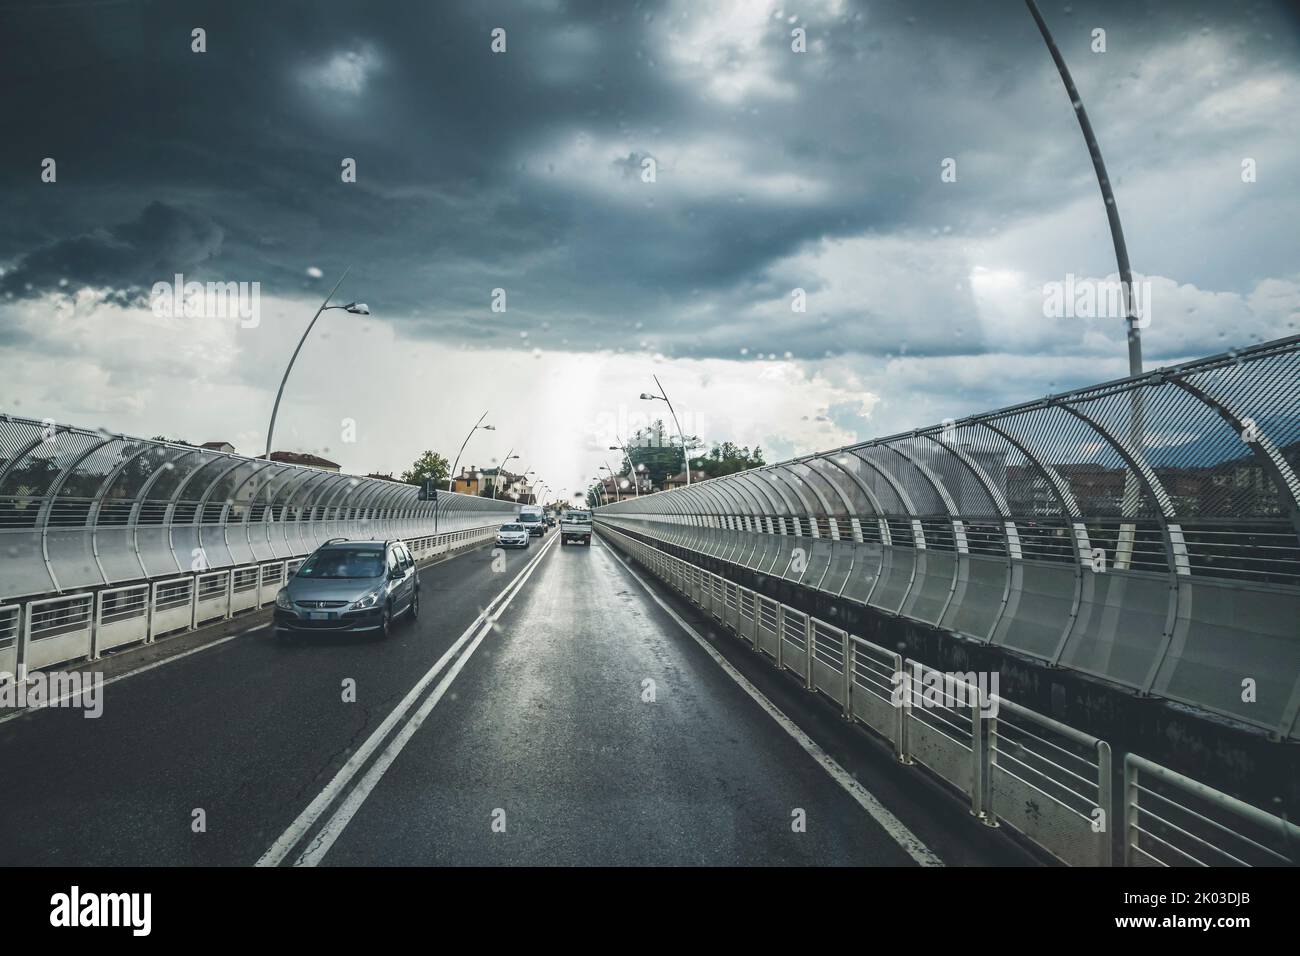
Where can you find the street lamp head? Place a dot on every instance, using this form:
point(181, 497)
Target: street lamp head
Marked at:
point(357, 308)
point(488, 428)
point(648, 397)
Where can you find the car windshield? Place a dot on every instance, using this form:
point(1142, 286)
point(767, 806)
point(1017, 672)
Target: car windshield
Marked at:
point(512, 527)
point(344, 563)
point(529, 518)
point(578, 516)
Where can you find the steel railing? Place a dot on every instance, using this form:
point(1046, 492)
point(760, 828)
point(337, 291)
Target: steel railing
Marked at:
point(1172, 820)
point(1145, 531)
point(1049, 782)
point(44, 632)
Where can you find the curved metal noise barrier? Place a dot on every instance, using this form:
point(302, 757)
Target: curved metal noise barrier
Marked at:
point(1145, 530)
point(82, 508)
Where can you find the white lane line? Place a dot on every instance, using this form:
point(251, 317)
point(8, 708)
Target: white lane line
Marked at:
point(281, 848)
point(333, 829)
point(132, 673)
point(896, 829)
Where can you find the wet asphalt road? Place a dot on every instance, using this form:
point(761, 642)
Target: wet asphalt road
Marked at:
point(552, 732)
point(248, 732)
point(585, 728)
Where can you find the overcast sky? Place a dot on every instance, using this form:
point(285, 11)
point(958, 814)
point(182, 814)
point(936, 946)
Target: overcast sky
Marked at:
point(524, 171)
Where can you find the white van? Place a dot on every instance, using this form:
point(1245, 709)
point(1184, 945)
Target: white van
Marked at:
point(530, 516)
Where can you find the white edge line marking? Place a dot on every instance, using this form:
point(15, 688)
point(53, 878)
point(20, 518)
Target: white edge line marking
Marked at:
point(281, 848)
point(901, 835)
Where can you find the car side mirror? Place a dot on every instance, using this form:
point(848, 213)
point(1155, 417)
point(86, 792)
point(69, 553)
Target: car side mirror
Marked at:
point(396, 574)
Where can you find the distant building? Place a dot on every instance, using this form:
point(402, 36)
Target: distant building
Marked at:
point(507, 484)
point(304, 458)
point(221, 446)
point(679, 480)
point(634, 481)
point(469, 482)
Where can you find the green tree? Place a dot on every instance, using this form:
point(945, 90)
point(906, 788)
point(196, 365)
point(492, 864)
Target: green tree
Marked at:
point(429, 465)
point(727, 459)
point(657, 454)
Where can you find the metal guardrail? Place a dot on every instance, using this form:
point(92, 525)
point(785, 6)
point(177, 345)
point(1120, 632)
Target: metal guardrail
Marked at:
point(1145, 531)
point(1044, 777)
point(1017, 768)
point(44, 632)
point(10, 627)
point(1172, 820)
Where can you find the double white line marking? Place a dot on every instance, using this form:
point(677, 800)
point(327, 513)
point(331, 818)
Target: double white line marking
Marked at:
point(325, 837)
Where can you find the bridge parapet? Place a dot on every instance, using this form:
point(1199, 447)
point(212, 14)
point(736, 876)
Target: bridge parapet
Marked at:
point(1145, 531)
point(101, 535)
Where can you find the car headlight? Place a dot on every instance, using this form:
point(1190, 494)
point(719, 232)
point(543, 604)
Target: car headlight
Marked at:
point(370, 600)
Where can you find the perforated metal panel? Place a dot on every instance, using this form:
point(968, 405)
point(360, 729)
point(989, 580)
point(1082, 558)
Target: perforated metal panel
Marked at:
point(1145, 530)
point(86, 509)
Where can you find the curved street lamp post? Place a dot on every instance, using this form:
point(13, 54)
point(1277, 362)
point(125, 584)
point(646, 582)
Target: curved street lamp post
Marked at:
point(663, 396)
point(355, 308)
point(496, 479)
point(614, 478)
point(1132, 493)
point(631, 465)
point(477, 425)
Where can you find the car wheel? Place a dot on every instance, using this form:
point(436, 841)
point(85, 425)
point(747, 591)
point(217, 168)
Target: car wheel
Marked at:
point(386, 622)
point(415, 605)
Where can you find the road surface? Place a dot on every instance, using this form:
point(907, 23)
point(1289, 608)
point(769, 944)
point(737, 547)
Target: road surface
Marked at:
point(576, 722)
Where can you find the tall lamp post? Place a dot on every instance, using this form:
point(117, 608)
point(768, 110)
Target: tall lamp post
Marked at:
point(663, 396)
point(496, 479)
point(1107, 194)
point(1132, 493)
point(477, 425)
point(614, 478)
point(523, 477)
point(356, 308)
point(631, 465)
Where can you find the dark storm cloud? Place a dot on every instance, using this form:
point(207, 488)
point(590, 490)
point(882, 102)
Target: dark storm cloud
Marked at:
point(126, 258)
point(469, 177)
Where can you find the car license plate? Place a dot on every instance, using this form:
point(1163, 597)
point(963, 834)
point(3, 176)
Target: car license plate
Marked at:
point(321, 616)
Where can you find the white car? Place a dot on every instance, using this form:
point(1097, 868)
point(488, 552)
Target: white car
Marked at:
point(512, 536)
